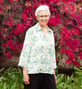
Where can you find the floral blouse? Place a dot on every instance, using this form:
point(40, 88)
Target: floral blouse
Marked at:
point(38, 53)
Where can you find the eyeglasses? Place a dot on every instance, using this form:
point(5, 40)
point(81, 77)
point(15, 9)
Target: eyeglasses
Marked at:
point(42, 16)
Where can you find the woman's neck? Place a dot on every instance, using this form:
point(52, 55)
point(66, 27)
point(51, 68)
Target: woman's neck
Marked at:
point(44, 28)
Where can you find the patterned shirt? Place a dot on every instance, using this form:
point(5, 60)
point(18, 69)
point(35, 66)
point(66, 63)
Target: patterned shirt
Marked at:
point(38, 53)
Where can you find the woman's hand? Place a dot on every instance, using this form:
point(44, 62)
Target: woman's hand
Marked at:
point(55, 78)
point(25, 76)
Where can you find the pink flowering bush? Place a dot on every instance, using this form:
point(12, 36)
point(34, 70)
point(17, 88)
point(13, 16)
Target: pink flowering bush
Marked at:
point(16, 16)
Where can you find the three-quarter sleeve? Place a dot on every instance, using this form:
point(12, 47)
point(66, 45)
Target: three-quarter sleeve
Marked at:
point(54, 61)
point(24, 56)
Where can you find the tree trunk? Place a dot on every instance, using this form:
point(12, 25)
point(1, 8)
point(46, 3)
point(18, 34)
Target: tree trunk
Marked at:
point(5, 62)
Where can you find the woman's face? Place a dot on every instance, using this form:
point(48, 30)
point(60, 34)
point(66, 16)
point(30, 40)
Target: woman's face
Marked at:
point(43, 17)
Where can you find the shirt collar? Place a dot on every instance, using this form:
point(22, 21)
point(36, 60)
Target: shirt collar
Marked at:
point(39, 28)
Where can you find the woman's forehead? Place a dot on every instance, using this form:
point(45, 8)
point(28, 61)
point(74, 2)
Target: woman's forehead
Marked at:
point(43, 12)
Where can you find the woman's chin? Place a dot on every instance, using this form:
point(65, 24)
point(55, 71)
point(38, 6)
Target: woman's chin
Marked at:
point(43, 24)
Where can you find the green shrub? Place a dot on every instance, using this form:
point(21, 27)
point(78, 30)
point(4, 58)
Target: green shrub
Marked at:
point(70, 82)
point(11, 78)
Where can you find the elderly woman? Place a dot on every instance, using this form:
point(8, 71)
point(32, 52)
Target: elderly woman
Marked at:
point(38, 54)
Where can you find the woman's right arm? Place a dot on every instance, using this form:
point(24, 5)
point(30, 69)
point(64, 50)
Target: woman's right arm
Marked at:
point(24, 57)
point(25, 76)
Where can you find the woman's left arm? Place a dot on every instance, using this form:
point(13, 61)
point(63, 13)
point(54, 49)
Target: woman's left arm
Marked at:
point(55, 76)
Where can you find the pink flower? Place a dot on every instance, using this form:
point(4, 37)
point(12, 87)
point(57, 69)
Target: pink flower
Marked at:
point(4, 53)
point(20, 46)
point(80, 54)
point(11, 24)
point(67, 61)
point(0, 9)
point(15, 52)
point(26, 24)
point(8, 36)
point(52, 9)
point(4, 45)
point(73, 44)
point(56, 59)
point(68, 51)
point(56, 1)
point(8, 54)
point(24, 16)
point(54, 21)
point(64, 1)
point(74, 31)
point(75, 62)
point(61, 49)
point(11, 0)
point(71, 58)
point(61, 41)
point(64, 33)
point(9, 44)
point(80, 46)
point(34, 4)
point(19, 29)
point(8, 22)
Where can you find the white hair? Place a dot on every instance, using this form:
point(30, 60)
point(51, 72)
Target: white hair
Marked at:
point(42, 8)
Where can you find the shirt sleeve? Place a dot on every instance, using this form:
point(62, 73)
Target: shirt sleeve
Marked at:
point(54, 61)
point(24, 56)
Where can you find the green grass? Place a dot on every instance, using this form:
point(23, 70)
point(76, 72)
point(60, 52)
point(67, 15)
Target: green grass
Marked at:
point(11, 78)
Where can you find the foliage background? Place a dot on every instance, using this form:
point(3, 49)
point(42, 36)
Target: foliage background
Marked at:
point(64, 81)
point(16, 16)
